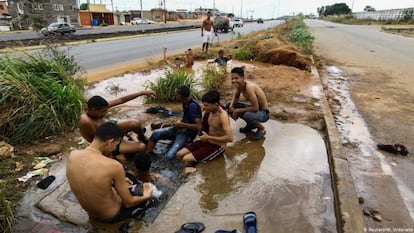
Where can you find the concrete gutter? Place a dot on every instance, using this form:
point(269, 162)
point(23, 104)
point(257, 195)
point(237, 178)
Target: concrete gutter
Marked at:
point(348, 213)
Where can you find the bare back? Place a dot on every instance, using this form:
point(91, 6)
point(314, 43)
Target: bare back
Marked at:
point(219, 125)
point(90, 176)
point(254, 93)
point(88, 126)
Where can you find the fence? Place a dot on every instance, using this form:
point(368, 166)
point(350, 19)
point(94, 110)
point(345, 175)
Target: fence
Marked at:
point(385, 15)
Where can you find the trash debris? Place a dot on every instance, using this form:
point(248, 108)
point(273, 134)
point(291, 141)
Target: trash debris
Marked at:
point(41, 162)
point(38, 172)
point(393, 164)
point(395, 149)
point(19, 166)
point(6, 150)
point(373, 213)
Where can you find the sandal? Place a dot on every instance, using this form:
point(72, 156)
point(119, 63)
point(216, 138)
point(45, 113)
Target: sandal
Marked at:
point(250, 222)
point(192, 227)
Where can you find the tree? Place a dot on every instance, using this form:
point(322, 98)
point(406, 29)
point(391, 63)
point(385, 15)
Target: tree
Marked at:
point(337, 9)
point(83, 6)
point(321, 11)
point(369, 8)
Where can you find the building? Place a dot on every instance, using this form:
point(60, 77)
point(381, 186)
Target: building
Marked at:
point(5, 18)
point(25, 12)
point(3, 7)
point(95, 15)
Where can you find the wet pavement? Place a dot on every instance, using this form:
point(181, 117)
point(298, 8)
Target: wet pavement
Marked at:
point(284, 178)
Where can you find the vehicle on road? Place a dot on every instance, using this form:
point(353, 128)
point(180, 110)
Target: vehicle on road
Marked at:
point(259, 20)
point(136, 21)
point(58, 28)
point(238, 23)
point(223, 23)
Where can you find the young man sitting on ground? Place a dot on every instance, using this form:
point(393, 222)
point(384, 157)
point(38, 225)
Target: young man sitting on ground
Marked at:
point(213, 140)
point(99, 183)
point(94, 117)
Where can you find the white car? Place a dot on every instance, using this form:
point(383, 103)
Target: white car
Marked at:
point(238, 23)
point(136, 21)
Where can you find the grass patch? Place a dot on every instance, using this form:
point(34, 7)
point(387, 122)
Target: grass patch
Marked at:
point(166, 86)
point(39, 95)
point(7, 218)
point(301, 36)
point(213, 77)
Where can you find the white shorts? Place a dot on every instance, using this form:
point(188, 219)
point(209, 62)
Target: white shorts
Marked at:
point(207, 36)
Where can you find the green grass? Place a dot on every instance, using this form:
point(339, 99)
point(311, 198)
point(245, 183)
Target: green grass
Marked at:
point(7, 218)
point(165, 86)
point(301, 36)
point(39, 96)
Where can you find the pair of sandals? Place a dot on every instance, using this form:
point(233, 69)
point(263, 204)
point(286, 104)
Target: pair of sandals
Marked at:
point(249, 222)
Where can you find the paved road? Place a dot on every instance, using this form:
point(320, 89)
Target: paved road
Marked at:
point(376, 68)
point(93, 56)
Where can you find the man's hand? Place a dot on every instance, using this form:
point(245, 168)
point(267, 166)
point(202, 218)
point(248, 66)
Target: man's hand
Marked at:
point(178, 124)
point(204, 137)
point(129, 182)
point(147, 190)
point(149, 93)
point(235, 114)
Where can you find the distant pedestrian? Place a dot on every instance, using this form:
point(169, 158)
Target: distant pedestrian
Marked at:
point(207, 30)
point(222, 60)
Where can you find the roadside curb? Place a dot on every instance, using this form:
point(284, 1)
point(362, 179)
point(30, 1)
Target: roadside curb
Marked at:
point(349, 218)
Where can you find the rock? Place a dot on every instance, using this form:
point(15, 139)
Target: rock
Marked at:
point(51, 149)
point(361, 200)
point(377, 217)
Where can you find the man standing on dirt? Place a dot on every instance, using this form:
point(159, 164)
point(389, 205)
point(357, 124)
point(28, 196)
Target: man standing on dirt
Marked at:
point(94, 117)
point(216, 134)
point(183, 131)
point(99, 183)
point(254, 112)
point(207, 29)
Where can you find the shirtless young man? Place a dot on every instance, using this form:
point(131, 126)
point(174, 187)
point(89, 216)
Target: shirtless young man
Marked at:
point(179, 65)
point(94, 117)
point(99, 182)
point(212, 143)
point(254, 112)
point(207, 30)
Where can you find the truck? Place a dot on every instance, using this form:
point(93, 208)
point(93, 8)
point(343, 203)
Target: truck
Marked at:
point(223, 23)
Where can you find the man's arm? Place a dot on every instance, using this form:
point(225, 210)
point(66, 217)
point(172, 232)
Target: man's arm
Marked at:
point(197, 126)
point(121, 188)
point(228, 132)
point(129, 97)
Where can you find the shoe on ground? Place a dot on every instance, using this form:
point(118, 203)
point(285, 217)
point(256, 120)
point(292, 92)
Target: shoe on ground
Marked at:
point(258, 135)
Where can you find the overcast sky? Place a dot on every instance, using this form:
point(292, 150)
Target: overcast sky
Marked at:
point(264, 9)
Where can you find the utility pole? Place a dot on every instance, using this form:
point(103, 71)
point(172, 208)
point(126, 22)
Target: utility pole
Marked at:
point(142, 17)
point(352, 6)
point(241, 8)
point(165, 13)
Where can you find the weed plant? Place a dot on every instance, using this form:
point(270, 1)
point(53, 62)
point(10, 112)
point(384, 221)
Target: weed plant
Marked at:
point(301, 36)
point(39, 95)
point(213, 77)
point(6, 214)
point(166, 86)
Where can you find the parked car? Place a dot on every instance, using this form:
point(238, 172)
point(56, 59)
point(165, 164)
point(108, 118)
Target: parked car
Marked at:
point(58, 28)
point(238, 23)
point(136, 21)
point(259, 20)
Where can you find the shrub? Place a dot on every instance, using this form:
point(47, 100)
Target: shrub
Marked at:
point(165, 87)
point(213, 77)
point(302, 37)
point(38, 95)
point(37, 22)
point(243, 53)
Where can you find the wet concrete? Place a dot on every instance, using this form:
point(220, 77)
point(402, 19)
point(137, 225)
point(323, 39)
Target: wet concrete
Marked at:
point(284, 178)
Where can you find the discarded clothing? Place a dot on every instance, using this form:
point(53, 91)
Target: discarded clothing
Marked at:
point(395, 149)
point(41, 162)
point(38, 172)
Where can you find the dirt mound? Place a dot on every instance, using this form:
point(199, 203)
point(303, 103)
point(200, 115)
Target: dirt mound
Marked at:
point(272, 50)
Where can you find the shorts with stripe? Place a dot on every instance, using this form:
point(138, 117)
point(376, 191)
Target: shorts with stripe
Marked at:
point(205, 151)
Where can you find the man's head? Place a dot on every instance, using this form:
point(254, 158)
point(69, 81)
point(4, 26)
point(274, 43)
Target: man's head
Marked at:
point(182, 93)
point(237, 77)
point(211, 101)
point(178, 62)
point(208, 14)
point(109, 135)
point(142, 162)
point(97, 107)
point(221, 53)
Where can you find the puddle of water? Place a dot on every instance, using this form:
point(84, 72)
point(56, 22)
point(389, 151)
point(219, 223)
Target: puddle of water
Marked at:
point(283, 178)
point(353, 129)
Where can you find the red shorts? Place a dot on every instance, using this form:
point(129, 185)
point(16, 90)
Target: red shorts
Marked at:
point(205, 151)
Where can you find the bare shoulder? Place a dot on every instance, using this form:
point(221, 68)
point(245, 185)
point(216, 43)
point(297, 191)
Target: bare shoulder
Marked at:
point(84, 119)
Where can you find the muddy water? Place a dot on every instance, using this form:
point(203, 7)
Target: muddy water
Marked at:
point(365, 158)
point(284, 178)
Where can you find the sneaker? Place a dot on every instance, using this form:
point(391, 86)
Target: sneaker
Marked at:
point(258, 135)
point(245, 130)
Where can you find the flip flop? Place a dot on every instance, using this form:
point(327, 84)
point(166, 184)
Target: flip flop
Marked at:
point(224, 231)
point(192, 227)
point(250, 222)
point(44, 184)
